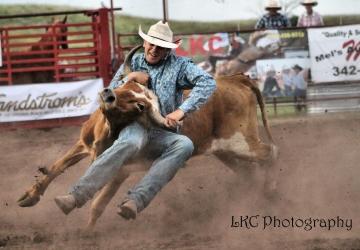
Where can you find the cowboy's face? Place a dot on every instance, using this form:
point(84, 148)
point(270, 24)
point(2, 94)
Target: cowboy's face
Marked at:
point(154, 53)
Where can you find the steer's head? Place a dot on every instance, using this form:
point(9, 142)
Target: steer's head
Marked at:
point(121, 104)
point(129, 102)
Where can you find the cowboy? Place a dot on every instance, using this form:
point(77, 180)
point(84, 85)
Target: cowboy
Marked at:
point(273, 19)
point(309, 17)
point(168, 76)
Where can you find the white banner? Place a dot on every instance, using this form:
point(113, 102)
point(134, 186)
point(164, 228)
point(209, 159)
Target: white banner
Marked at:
point(48, 101)
point(335, 53)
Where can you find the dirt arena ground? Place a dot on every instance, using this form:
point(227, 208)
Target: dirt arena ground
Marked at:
point(317, 172)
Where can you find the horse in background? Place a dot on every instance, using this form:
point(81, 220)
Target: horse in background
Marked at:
point(41, 54)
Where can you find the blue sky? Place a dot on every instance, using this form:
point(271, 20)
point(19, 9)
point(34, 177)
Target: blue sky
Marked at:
point(199, 10)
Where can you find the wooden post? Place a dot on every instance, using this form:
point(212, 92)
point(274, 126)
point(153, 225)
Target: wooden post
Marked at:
point(165, 11)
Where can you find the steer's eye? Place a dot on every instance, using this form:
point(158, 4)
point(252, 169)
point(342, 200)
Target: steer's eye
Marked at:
point(140, 106)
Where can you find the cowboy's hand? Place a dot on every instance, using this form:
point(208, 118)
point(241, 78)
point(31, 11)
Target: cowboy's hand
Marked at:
point(173, 119)
point(140, 77)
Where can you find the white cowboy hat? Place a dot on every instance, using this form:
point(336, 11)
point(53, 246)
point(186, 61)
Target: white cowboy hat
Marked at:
point(309, 2)
point(159, 34)
point(272, 4)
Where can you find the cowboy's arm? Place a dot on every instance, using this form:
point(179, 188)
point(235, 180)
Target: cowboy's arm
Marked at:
point(116, 82)
point(202, 84)
point(138, 76)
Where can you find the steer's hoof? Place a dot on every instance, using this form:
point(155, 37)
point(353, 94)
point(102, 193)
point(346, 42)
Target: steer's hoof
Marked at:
point(28, 201)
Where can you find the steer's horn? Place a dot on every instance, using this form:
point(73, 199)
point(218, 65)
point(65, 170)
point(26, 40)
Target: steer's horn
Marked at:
point(127, 62)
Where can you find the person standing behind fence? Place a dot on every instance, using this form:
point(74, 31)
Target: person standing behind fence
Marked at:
point(287, 80)
point(273, 19)
point(271, 83)
point(310, 17)
point(300, 88)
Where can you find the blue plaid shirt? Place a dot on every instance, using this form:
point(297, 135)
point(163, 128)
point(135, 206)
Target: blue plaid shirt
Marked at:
point(169, 78)
point(272, 22)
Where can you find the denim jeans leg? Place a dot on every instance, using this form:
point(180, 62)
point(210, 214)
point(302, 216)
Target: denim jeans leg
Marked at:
point(130, 141)
point(174, 150)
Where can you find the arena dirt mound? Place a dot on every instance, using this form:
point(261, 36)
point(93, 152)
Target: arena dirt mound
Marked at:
point(317, 178)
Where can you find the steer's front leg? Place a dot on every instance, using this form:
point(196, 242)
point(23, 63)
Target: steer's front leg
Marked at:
point(74, 155)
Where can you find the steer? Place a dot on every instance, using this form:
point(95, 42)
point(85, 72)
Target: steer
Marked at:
point(228, 124)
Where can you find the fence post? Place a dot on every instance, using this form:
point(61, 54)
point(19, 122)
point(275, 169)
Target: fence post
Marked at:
point(104, 48)
point(8, 58)
point(55, 52)
point(275, 105)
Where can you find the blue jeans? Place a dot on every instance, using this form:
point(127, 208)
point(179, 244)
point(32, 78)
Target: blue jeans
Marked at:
point(171, 149)
point(288, 90)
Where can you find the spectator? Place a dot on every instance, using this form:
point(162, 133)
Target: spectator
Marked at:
point(270, 83)
point(300, 88)
point(273, 19)
point(310, 17)
point(287, 80)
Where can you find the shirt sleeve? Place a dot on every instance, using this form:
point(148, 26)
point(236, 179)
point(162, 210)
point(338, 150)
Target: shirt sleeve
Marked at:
point(116, 82)
point(202, 84)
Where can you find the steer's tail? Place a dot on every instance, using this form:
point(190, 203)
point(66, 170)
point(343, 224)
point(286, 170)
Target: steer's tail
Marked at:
point(253, 86)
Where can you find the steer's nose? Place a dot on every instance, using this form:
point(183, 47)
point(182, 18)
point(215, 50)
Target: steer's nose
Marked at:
point(107, 95)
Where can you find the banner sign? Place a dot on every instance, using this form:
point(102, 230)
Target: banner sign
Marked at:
point(48, 101)
point(257, 53)
point(246, 47)
point(335, 53)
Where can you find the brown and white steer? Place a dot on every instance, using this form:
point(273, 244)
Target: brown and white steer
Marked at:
point(229, 129)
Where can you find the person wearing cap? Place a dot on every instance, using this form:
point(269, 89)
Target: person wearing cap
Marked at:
point(309, 17)
point(272, 19)
point(168, 76)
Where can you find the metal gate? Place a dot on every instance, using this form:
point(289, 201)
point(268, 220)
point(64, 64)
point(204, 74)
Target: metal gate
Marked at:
point(87, 56)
